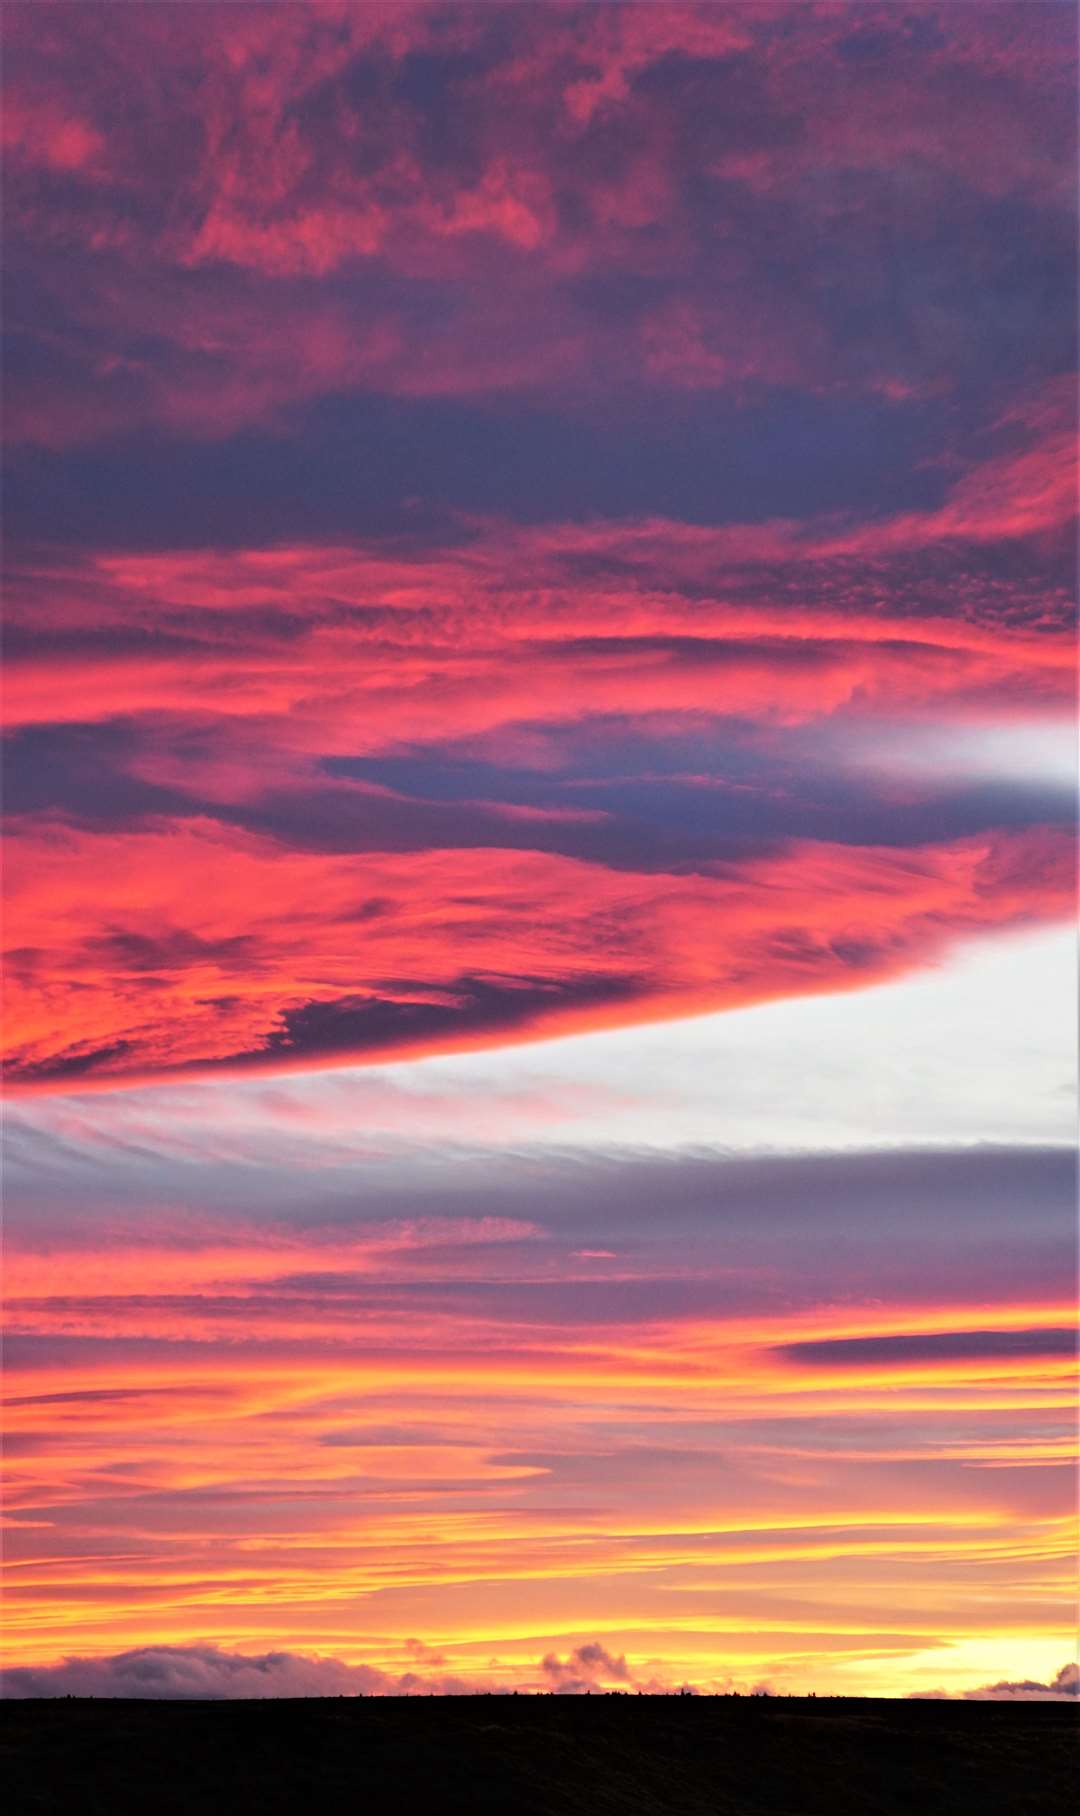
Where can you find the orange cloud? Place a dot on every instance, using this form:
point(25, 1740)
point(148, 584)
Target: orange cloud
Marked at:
point(347, 1474)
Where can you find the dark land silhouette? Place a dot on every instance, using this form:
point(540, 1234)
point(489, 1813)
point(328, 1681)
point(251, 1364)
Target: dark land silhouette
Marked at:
point(539, 1756)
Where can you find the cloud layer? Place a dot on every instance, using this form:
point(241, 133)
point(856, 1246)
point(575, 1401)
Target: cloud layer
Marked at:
point(475, 475)
point(525, 522)
point(546, 1408)
point(207, 1672)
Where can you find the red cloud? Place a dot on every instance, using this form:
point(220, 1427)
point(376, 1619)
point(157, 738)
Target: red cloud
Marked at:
point(235, 927)
point(229, 212)
point(40, 132)
point(203, 147)
point(186, 947)
point(782, 619)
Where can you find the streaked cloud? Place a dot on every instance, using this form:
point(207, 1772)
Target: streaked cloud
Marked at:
point(540, 660)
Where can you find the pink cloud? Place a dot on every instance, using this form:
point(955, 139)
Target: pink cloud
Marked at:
point(571, 163)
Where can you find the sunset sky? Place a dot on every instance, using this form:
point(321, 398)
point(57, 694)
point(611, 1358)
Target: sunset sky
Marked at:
point(540, 790)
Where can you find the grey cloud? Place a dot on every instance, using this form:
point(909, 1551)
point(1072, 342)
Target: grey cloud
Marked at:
point(876, 1209)
point(1066, 1684)
point(1061, 1688)
point(208, 1673)
point(474, 1005)
point(591, 1667)
point(940, 1346)
point(584, 1669)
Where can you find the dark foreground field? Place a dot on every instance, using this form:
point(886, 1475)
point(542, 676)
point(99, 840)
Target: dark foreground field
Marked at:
point(531, 1756)
point(538, 1755)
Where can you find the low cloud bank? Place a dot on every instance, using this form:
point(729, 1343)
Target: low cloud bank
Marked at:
point(591, 1667)
point(1063, 1688)
point(207, 1672)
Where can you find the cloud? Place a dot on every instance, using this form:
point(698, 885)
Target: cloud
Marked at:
point(256, 794)
point(577, 205)
point(212, 1673)
point(252, 929)
point(1066, 1684)
point(198, 1672)
point(943, 1346)
point(1062, 1688)
point(586, 1668)
point(592, 1669)
point(403, 1398)
point(478, 476)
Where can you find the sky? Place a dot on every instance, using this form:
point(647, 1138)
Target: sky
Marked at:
point(540, 765)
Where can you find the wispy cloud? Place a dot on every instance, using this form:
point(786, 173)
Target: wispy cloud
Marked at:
point(516, 520)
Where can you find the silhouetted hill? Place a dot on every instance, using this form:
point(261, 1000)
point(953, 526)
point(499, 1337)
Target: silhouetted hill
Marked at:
point(539, 1756)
